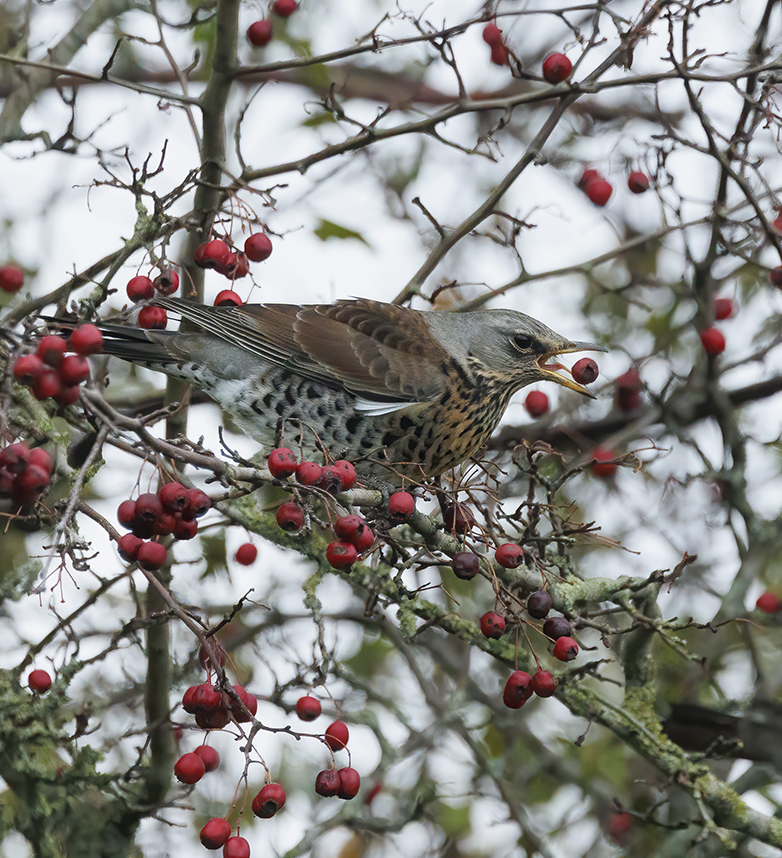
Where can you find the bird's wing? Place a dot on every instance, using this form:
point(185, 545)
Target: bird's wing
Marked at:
point(381, 352)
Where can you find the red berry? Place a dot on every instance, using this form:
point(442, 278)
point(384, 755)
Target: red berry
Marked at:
point(565, 649)
point(638, 182)
point(258, 246)
point(492, 625)
point(556, 67)
point(620, 826)
point(214, 719)
point(327, 783)
point(250, 702)
point(282, 463)
point(51, 350)
point(189, 768)
point(155, 318)
point(364, 539)
point(539, 604)
point(769, 603)
point(518, 689)
point(246, 554)
point(602, 466)
point(544, 684)
point(284, 8)
point(209, 757)
point(29, 368)
point(140, 289)
point(347, 526)
point(308, 708)
point(458, 518)
point(269, 800)
point(466, 565)
point(212, 651)
point(236, 847)
point(149, 507)
point(214, 254)
point(599, 191)
point(401, 506)
point(86, 340)
point(39, 681)
point(587, 177)
point(775, 275)
point(713, 341)
point(341, 554)
point(215, 833)
point(29, 484)
point(723, 308)
point(509, 555)
point(11, 278)
point(347, 472)
point(74, 369)
point(290, 516)
point(331, 479)
point(47, 383)
point(349, 783)
point(628, 390)
point(164, 524)
point(41, 459)
point(259, 34)
point(585, 371)
point(492, 34)
point(308, 473)
point(499, 54)
point(228, 298)
point(128, 547)
point(198, 504)
point(67, 396)
point(173, 496)
point(536, 403)
point(126, 513)
point(556, 628)
point(337, 735)
point(167, 282)
point(152, 556)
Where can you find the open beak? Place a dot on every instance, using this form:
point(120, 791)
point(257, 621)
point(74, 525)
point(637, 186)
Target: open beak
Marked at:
point(551, 369)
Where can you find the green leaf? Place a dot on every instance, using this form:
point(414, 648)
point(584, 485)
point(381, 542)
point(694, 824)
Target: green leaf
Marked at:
point(328, 229)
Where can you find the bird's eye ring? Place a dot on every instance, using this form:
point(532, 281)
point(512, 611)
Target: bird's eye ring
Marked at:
point(522, 341)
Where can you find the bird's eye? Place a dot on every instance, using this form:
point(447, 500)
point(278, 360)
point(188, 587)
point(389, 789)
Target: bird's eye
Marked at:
point(522, 341)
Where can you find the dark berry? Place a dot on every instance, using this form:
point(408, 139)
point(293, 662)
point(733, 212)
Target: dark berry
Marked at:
point(518, 689)
point(638, 182)
point(215, 833)
point(349, 783)
point(539, 604)
point(228, 298)
point(39, 681)
point(51, 350)
point(259, 34)
point(492, 625)
point(308, 473)
point(557, 627)
point(458, 518)
point(290, 516)
point(327, 783)
point(599, 191)
point(585, 371)
point(466, 565)
point(269, 800)
point(152, 317)
point(258, 246)
point(544, 684)
point(151, 556)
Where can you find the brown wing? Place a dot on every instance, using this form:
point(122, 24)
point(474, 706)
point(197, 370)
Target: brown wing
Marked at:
point(380, 351)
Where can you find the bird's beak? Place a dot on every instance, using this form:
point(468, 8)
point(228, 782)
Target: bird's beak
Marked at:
point(550, 369)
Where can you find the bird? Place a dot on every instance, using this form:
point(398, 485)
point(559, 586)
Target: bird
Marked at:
point(401, 393)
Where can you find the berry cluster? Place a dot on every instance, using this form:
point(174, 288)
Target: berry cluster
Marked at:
point(584, 371)
point(493, 37)
point(11, 277)
point(142, 288)
point(51, 373)
point(599, 190)
point(24, 473)
point(337, 477)
point(172, 511)
point(260, 33)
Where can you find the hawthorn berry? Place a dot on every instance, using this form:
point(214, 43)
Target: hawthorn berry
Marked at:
point(167, 282)
point(713, 341)
point(466, 565)
point(154, 318)
point(769, 603)
point(41, 459)
point(347, 472)
point(228, 298)
point(327, 783)
point(556, 628)
point(51, 350)
point(246, 554)
point(126, 513)
point(308, 473)
point(492, 34)
point(565, 649)
point(86, 340)
point(638, 182)
point(173, 497)
point(11, 278)
point(628, 390)
point(290, 516)
point(620, 827)
point(544, 684)
point(39, 681)
point(518, 689)
point(215, 833)
point(308, 708)
point(585, 371)
point(587, 177)
point(236, 267)
point(282, 463)
point(602, 464)
point(364, 539)
point(250, 702)
point(215, 254)
point(198, 504)
point(189, 768)
point(723, 308)
point(67, 395)
point(337, 735)
point(47, 384)
point(258, 246)
point(458, 518)
point(341, 554)
point(259, 33)
point(140, 289)
point(509, 555)
point(236, 847)
point(775, 276)
point(209, 757)
point(536, 403)
point(401, 506)
point(349, 783)
point(331, 479)
point(599, 191)
point(269, 800)
point(151, 556)
point(213, 651)
point(499, 54)
point(556, 67)
point(284, 8)
point(148, 507)
point(128, 547)
point(28, 368)
point(492, 625)
point(539, 604)
point(347, 526)
point(74, 369)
